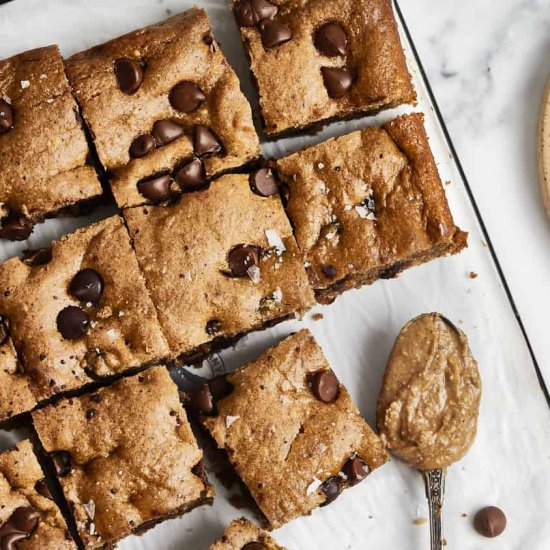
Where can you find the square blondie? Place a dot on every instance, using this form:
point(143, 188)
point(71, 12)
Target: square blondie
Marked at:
point(368, 205)
point(29, 517)
point(125, 456)
point(43, 149)
point(291, 430)
point(314, 60)
point(242, 534)
point(221, 262)
point(79, 311)
point(164, 108)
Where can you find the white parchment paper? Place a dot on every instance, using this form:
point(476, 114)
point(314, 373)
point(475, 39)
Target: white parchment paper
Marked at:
point(509, 465)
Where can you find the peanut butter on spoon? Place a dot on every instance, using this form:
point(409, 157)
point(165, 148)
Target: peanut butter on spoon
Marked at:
point(429, 404)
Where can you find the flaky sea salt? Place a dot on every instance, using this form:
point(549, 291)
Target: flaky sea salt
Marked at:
point(278, 295)
point(313, 486)
point(254, 273)
point(25, 84)
point(230, 420)
point(275, 240)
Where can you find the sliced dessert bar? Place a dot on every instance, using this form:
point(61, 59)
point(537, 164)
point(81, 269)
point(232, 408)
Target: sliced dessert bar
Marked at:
point(125, 456)
point(368, 205)
point(164, 108)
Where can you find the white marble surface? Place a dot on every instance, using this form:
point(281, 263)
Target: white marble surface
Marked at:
point(488, 63)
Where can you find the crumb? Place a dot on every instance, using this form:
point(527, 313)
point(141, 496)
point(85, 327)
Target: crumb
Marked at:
point(464, 515)
point(473, 275)
point(421, 521)
point(317, 317)
point(447, 182)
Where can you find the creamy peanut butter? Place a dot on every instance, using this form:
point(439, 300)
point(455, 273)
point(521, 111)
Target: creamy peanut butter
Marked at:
point(429, 403)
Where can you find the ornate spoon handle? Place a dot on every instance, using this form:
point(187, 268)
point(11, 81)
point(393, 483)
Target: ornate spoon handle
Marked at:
point(435, 492)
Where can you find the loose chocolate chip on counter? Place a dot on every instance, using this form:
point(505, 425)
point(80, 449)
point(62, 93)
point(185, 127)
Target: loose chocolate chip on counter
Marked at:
point(72, 322)
point(129, 75)
point(324, 386)
point(254, 546)
point(490, 522)
point(186, 97)
point(15, 227)
point(250, 12)
point(331, 40)
point(165, 131)
point(201, 401)
point(40, 256)
point(241, 258)
point(356, 470)
point(87, 286)
point(42, 489)
point(338, 82)
point(63, 463)
point(205, 141)
point(274, 33)
point(6, 116)
point(264, 182)
point(329, 271)
point(332, 488)
point(192, 176)
point(156, 189)
point(213, 327)
point(142, 145)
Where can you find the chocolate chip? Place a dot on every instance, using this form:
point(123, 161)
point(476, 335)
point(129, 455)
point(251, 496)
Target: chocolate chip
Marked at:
point(201, 401)
point(165, 131)
point(15, 227)
point(324, 386)
point(156, 189)
point(331, 40)
point(332, 488)
point(338, 82)
point(356, 470)
point(490, 522)
point(96, 398)
point(274, 33)
point(254, 546)
point(208, 38)
point(40, 256)
point(63, 463)
point(186, 97)
point(213, 327)
point(192, 176)
point(72, 322)
point(6, 116)
point(264, 182)
point(205, 141)
point(249, 13)
point(129, 75)
point(42, 489)
point(87, 286)
point(90, 413)
point(25, 519)
point(241, 258)
point(10, 541)
point(329, 271)
point(142, 145)
point(220, 387)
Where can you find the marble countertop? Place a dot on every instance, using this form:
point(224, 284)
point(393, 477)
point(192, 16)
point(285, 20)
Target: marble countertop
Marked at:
point(488, 69)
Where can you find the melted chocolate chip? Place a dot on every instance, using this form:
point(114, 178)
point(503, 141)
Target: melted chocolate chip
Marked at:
point(332, 488)
point(264, 182)
point(205, 141)
point(11, 540)
point(213, 327)
point(72, 322)
point(165, 131)
point(356, 470)
point(324, 386)
point(42, 489)
point(19, 526)
point(331, 40)
point(201, 401)
point(192, 176)
point(338, 82)
point(241, 258)
point(63, 463)
point(40, 256)
point(249, 13)
point(156, 189)
point(254, 546)
point(274, 33)
point(129, 75)
point(329, 271)
point(15, 227)
point(490, 522)
point(142, 145)
point(186, 97)
point(87, 286)
point(6, 116)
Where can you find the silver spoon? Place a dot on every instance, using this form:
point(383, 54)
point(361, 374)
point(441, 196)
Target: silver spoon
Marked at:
point(435, 493)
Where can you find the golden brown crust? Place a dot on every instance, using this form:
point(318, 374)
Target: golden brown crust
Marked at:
point(241, 532)
point(367, 205)
point(131, 460)
point(174, 51)
point(124, 332)
point(19, 474)
point(43, 157)
point(183, 250)
point(289, 78)
point(282, 441)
